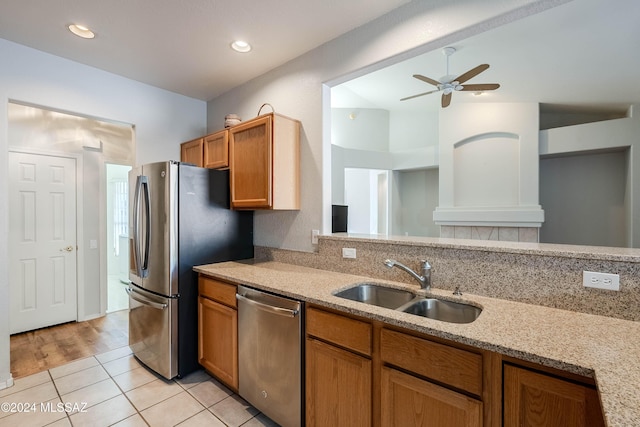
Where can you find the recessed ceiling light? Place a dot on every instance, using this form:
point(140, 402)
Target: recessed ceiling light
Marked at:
point(81, 31)
point(241, 46)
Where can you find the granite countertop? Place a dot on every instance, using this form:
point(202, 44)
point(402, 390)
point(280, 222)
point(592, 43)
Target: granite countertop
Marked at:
point(604, 348)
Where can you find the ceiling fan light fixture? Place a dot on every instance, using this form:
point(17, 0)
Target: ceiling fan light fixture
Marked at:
point(449, 84)
point(240, 46)
point(81, 31)
point(448, 51)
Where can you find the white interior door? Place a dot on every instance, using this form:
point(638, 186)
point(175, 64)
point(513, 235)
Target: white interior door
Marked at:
point(42, 241)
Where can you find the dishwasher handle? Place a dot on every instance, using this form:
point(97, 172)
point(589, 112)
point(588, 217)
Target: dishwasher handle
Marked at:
point(269, 308)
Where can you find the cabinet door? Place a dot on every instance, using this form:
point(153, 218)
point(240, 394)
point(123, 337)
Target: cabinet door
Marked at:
point(216, 150)
point(218, 340)
point(411, 401)
point(338, 387)
point(250, 160)
point(535, 399)
point(191, 152)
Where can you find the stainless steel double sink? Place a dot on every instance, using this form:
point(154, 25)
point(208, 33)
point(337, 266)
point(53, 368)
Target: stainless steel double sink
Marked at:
point(408, 302)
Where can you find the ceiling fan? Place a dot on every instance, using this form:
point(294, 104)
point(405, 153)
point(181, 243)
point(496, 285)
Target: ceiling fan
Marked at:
point(448, 84)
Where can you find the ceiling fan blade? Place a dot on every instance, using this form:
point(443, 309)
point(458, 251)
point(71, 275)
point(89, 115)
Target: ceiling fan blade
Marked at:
point(471, 73)
point(478, 87)
point(420, 94)
point(446, 100)
point(427, 79)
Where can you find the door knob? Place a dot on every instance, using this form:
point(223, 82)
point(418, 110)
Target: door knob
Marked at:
point(67, 249)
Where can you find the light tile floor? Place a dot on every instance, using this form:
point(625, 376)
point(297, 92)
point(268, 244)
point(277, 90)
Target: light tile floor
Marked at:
point(114, 389)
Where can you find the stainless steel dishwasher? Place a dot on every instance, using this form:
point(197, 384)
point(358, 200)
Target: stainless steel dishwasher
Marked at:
point(270, 354)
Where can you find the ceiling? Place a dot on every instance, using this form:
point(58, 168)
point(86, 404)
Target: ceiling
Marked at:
point(183, 45)
point(582, 53)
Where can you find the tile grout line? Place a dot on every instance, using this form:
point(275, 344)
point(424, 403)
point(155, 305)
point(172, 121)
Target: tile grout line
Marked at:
point(111, 377)
point(122, 392)
point(157, 403)
point(59, 396)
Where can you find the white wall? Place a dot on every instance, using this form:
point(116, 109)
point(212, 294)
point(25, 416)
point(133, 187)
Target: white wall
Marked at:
point(415, 198)
point(360, 128)
point(115, 263)
point(31, 128)
point(296, 89)
point(411, 130)
point(358, 196)
point(585, 199)
point(604, 135)
point(495, 139)
point(162, 119)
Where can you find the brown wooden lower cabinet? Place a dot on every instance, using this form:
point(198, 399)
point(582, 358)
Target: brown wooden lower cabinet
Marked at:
point(338, 387)
point(536, 399)
point(218, 340)
point(361, 372)
point(411, 401)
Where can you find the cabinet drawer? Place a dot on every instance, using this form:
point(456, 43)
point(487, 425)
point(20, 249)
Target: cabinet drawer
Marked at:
point(222, 292)
point(340, 330)
point(448, 365)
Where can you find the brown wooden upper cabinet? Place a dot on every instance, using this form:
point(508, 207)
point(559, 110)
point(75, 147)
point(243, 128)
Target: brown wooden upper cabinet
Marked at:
point(264, 163)
point(191, 152)
point(216, 150)
point(211, 151)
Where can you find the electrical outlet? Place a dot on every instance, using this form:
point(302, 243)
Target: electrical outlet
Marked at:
point(348, 252)
point(591, 279)
point(314, 236)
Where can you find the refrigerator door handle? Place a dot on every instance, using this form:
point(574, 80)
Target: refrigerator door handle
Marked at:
point(142, 189)
point(142, 300)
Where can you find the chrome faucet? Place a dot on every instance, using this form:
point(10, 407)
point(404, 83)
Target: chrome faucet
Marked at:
point(425, 269)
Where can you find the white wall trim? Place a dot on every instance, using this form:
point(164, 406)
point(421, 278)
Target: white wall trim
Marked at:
point(104, 292)
point(6, 383)
point(529, 216)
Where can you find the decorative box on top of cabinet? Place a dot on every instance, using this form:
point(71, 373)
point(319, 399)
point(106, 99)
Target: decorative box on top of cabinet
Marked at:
point(264, 163)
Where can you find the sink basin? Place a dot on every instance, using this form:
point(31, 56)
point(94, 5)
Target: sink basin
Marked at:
point(446, 311)
point(381, 296)
point(408, 302)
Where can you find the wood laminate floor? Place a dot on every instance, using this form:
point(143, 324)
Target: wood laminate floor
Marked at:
point(47, 348)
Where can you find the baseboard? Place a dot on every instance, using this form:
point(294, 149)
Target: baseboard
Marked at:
point(90, 317)
point(7, 383)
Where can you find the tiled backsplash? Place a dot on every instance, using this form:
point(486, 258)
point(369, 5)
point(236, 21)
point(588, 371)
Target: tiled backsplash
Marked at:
point(548, 275)
point(503, 234)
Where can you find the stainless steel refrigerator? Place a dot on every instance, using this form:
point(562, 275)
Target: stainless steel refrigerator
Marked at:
point(179, 217)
